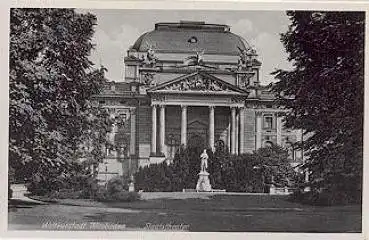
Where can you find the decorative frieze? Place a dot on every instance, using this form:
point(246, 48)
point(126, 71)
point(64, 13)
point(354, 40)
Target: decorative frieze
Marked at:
point(238, 99)
point(198, 83)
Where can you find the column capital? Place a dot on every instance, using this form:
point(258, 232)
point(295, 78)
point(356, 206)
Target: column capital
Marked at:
point(259, 114)
point(183, 106)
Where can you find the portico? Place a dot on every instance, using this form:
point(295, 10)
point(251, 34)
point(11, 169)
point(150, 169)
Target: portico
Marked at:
point(194, 91)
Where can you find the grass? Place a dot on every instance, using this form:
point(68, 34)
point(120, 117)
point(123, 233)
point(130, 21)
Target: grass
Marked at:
point(237, 213)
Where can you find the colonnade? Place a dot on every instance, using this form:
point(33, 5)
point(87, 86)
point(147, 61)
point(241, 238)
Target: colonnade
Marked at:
point(237, 128)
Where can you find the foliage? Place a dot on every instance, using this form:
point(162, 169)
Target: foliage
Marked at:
point(325, 197)
point(72, 178)
point(327, 85)
point(158, 178)
point(117, 184)
point(243, 173)
point(116, 190)
point(237, 174)
point(274, 164)
point(51, 82)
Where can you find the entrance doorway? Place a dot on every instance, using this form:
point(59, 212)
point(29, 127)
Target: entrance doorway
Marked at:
point(196, 142)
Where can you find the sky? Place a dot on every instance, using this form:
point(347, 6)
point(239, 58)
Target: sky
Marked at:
point(118, 29)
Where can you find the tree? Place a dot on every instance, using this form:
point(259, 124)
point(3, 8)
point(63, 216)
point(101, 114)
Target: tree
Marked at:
point(51, 82)
point(274, 165)
point(324, 91)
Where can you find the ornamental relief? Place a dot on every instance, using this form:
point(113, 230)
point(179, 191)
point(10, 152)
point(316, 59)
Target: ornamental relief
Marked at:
point(147, 78)
point(198, 83)
point(239, 99)
point(157, 97)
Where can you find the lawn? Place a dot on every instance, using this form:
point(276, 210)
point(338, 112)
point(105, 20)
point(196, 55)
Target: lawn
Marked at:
point(237, 213)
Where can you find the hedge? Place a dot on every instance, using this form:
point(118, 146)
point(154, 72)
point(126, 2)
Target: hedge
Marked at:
point(236, 173)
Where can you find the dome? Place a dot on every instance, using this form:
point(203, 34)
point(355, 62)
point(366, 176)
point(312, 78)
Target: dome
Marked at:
point(191, 37)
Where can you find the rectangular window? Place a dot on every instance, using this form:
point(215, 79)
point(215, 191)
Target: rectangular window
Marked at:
point(268, 122)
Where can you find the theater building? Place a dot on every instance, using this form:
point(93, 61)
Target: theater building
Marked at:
point(190, 84)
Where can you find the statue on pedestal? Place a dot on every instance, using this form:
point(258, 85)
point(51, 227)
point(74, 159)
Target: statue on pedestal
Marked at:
point(203, 183)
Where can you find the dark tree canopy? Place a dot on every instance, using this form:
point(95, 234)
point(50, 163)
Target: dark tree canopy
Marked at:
point(51, 82)
point(327, 89)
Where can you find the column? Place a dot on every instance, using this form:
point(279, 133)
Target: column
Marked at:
point(132, 143)
point(258, 130)
point(184, 126)
point(233, 130)
point(279, 129)
point(237, 131)
point(153, 129)
point(229, 133)
point(242, 131)
point(211, 127)
point(162, 128)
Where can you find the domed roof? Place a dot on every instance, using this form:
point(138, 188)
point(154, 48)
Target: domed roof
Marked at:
point(191, 37)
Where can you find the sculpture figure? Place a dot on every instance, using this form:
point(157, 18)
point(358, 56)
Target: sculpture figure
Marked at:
point(246, 57)
point(150, 59)
point(204, 161)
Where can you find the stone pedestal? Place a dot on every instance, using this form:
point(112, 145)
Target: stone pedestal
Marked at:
point(203, 184)
point(272, 189)
point(131, 187)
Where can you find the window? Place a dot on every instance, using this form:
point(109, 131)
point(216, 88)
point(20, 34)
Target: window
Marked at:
point(121, 119)
point(268, 121)
point(290, 150)
point(173, 144)
point(133, 88)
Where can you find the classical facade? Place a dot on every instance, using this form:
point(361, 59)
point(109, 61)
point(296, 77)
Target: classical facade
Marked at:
point(190, 84)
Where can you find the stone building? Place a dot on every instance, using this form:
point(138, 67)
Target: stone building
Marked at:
point(191, 84)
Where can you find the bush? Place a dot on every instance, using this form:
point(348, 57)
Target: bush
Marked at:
point(156, 177)
point(69, 182)
point(237, 174)
point(116, 190)
point(243, 173)
point(334, 194)
point(117, 184)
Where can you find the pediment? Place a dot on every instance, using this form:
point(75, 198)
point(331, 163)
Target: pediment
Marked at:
point(198, 82)
point(196, 124)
